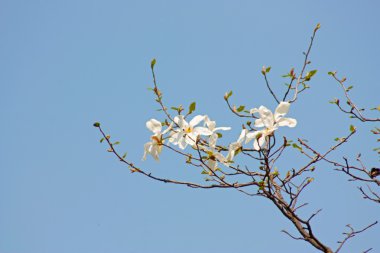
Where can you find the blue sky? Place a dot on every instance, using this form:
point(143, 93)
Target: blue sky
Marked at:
point(67, 64)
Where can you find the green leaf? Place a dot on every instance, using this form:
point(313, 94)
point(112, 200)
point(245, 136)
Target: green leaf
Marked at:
point(204, 172)
point(238, 151)
point(192, 107)
point(125, 155)
point(349, 87)
point(101, 140)
point(152, 63)
point(310, 74)
point(331, 73)
point(296, 146)
point(219, 135)
point(313, 72)
point(116, 143)
point(174, 108)
point(352, 128)
point(240, 108)
point(227, 95)
point(268, 69)
point(96, 124)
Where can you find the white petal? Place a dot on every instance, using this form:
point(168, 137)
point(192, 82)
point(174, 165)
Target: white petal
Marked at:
point(253, 110)
point(262, 141)
point(210, 124)
point(251, 136)
point(259, 123)
point(195, 121)
point(266, 116)
point(168, 129)
point(212, 165)
point(256, 145)
point(180, 121)
point(212, 140)
point(221, 128)
point(289, 122)
point(231, 154)
point(174, 138)
point(154, 126)
point(220, 157)
point(282, 109)
point(242, 135)
point(147, 147)
point(202, 131)
point(190, 139)
point(182, 143)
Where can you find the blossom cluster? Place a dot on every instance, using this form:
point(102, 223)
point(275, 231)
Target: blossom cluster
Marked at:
point(182, 134)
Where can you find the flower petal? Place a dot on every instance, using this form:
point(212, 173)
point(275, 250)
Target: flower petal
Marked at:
point(147, 147)
point(221, 128)
point(154, 126)
point(212, 164)
point(168, 129)
point(251, 136)
point(195, 121)
point(190, 138)
point(289, 122)
point(281, 110)
point(182, 143)
point(212, 140)
point(253, 110)
point(202, 131)
point(242, 136)
point(209, 123)
point(266, 116)
point(256, 145)
point(259, 123)
point(180, 121)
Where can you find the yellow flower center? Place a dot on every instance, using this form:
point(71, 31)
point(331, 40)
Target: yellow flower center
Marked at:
point(188, 130)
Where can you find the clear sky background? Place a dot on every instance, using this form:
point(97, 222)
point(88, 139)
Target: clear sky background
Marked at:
point(67, 64)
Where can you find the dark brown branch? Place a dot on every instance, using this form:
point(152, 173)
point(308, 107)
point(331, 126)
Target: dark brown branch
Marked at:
point(351, 234)
point(305, 63)
point(354, 111)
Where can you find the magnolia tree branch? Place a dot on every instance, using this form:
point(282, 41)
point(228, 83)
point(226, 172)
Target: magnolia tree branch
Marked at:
point(354, 111)
point(351, 233)
point(356, 173)
point(256, 172)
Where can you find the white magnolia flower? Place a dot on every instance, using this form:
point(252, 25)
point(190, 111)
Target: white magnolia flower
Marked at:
point(270, 122)
point(188, 132)
point(211, 125)
point(233, 147)
point(154, 147)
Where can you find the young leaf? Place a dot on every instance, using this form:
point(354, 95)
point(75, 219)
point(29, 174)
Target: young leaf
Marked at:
point(192, 107)
point(152, 63)
point(352, 128)
point(240, 108)
point(296, 146)
point(227, 95)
